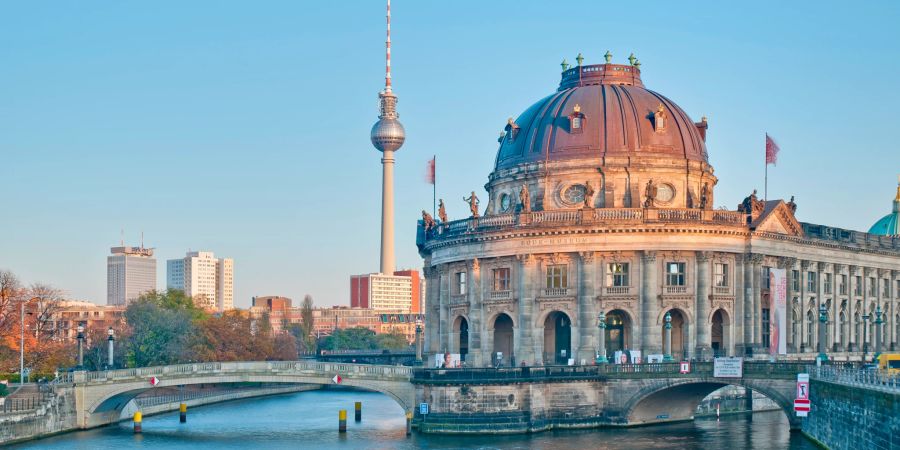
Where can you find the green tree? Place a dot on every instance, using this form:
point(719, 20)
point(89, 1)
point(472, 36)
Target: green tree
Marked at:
point(391, 341)
point(357, 338)
point(307, 325)
point(162, 325)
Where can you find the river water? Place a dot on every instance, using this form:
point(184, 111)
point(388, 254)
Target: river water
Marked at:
point(310, 420)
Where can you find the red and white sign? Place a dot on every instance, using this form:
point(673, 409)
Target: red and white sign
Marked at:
point(803, 390)
point(154, 381)
point(685, 367)
point(337, 379)
point(801, 406)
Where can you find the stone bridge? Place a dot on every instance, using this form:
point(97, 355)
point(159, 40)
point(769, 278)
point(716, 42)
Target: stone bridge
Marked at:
point(101, 396)
point(529, 399)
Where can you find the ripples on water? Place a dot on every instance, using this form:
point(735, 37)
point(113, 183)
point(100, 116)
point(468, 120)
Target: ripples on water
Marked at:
point(309, 420)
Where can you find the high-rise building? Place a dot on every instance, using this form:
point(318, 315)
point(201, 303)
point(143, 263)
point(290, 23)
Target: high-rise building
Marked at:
point(208, 280)
point(401, 291)
point(130, 272)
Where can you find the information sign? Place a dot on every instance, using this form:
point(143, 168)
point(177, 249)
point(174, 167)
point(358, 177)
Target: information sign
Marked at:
point(728, 367)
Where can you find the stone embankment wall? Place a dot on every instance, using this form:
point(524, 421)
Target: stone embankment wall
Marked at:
point(58, 415)
point(852, 417)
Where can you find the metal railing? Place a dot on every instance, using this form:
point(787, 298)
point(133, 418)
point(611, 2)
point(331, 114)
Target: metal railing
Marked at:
point(856, 377)
point(22, 404)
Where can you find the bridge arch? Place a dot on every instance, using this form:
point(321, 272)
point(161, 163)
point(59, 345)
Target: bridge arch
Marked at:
point(675, 400)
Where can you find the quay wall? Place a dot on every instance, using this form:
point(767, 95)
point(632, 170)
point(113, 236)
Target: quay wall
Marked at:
point(850, 417)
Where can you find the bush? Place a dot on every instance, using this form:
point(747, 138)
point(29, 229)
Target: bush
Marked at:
point(3, 390)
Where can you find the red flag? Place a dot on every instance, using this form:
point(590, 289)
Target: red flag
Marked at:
point(429, 171)
point(771, 150)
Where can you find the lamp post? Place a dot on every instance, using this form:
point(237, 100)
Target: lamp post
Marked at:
point(80, 346)
point(668, 356)
point(418, 340)
point(865, 318)
point(601, 349)
point(22, 349)
point(111, 340)
point(823, 319)
point(878, 322)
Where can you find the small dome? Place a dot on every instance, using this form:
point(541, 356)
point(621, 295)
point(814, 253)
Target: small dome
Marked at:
point(889, 225)
point(619, 118)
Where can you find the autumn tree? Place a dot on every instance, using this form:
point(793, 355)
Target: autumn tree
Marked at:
point(161, 327)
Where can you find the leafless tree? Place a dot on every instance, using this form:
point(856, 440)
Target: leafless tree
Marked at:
point(11, 294)
point(45, 303)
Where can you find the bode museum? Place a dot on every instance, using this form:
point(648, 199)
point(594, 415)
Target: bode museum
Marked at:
point(600, 235)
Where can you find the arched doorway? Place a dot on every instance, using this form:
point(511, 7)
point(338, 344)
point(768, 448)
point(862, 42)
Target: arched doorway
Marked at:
point(503, 341)
point(461, 330)
point(618, 331)
point(721, 333)
point(679, 335)
point(557, 338)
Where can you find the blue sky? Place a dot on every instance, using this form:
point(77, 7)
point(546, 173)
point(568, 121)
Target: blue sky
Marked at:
point(242, 127)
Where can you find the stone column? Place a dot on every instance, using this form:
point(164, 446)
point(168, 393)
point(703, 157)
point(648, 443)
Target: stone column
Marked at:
point(737, 321)
point(432, 308)
point(748, 303)
point(587, 313)
point(787, 264)
point(444, 329)
point(805, 346)
point(704, 338)
point(650, 333)
point(526, 298)
point(852, 338)
point(866, 336)
point(477, 327)
point(757, 300)
point(892, 313)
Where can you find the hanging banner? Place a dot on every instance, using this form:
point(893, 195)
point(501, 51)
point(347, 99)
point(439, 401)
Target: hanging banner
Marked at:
point(778, 323)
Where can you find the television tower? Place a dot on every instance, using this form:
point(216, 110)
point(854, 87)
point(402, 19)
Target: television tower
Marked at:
point(387, 136)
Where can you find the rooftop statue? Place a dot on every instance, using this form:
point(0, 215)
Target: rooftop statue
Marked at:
point(429, 221)
point(442, 212)
point(525, 199)
point(704, 196)
point(649, 194)
point(792, 205)
point(588, 194)
point(473, 204)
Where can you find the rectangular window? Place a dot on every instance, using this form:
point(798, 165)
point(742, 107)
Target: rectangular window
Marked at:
point(617, 274)
point(766, 279)
point(795, 280)
point(828, 281)
point(897, 291)
point(765, 327)
point(872, 286)
point(501, 279)
point(460, 283)
point(557, 277)
point(721, 275)
point(887, 288)
point(843, 286)
point(675, 274)
point(857, 289)
point(811, 282)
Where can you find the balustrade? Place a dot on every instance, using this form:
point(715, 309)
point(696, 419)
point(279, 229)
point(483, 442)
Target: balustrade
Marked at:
point(676, 289)
point(618, 290)
point(556, 292)
point(501, 295)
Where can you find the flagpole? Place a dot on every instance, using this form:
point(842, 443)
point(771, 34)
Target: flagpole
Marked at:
point(434, 187)
point(766, 161)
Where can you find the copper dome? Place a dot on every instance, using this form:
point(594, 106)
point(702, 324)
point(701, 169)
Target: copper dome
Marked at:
point(617, 120)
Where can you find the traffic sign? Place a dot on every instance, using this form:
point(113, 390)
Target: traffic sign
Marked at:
point(154, 381)
point(337, 379)
point(803, 390)
point(423, 408)
point(801, 406)
point(685, 367)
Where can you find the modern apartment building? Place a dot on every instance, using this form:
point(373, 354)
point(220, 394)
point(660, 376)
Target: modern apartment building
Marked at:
point(400, 291)
point(208, 280)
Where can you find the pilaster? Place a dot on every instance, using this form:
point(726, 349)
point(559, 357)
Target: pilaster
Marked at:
point(587, 313)
point(704, 338)
point(651, 339)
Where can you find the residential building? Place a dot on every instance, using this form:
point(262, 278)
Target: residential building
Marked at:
point(401, 291)
point(203, 277)
point(130, 272)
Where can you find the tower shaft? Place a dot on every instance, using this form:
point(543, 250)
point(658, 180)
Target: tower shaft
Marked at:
point(387, 213)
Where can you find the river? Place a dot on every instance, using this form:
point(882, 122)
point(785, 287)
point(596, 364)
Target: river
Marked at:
point(310, 420)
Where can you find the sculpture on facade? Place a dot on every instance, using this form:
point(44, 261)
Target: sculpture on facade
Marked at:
point(525, 199)
point(649, 194)
point(751, 204)
point(792, 205)
point(442, 212)
point(588, 194)
point(704, 196)
point(428, 220)
point(473, 204)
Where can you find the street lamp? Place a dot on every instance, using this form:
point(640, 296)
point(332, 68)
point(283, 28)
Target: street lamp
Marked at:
point(111, 339)
point(823, 319)
point(878, 322)
point(418, 340)
point(601, 350)
point(22, 344)
point(668, 356)
point(80, 346)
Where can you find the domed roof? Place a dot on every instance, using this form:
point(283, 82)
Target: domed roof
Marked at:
point(889, 225)
point(619, 118)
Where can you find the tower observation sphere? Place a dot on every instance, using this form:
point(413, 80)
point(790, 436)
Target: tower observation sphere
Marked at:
point(388, 133)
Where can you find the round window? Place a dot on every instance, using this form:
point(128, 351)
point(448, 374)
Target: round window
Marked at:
point(505, 202)
point(665, 192)
point(574, 194)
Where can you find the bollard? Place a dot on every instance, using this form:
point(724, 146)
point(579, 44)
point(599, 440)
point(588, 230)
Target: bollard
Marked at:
point(409, 423)
point(137, 422)
point(182, 417)
point(342, 421)
point(357, 408)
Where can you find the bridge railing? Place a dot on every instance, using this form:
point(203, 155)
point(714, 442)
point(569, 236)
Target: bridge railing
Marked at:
point(857, 377)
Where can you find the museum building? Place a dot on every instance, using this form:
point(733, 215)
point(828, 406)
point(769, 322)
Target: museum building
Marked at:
point(600, 219)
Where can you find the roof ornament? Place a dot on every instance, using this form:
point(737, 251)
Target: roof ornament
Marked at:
point(637, 64)
point(631, 59)
point(564, 64)
point(577, 108)
point(608, 57)
point(579, 58)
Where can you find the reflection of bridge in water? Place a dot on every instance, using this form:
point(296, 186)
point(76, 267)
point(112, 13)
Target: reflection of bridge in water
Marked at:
point(527, 398)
